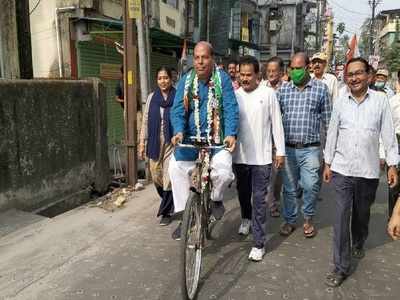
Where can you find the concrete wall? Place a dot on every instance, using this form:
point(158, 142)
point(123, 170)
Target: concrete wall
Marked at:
point(52, 140)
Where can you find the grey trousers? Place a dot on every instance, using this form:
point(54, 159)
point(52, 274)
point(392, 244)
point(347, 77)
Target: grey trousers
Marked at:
point(252, 182)
point(274, 189)
point(354, 197)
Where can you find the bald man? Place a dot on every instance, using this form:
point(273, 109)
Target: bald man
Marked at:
point(304, 103)
point(205, 93)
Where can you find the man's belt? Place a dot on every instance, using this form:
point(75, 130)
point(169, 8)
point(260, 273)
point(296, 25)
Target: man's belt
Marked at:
point(301, 146)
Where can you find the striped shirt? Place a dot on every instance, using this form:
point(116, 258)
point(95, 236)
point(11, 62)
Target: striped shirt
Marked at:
point(303, 110)
point(352, 146)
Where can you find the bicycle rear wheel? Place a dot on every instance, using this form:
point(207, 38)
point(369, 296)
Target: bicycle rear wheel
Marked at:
point(191, 246)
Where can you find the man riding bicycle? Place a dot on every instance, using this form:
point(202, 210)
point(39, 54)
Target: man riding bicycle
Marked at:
point(205, 106)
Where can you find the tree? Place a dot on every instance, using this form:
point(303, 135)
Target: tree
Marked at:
point(363, 44)
point(392, 54)
point(342, 49)
point(340, 28)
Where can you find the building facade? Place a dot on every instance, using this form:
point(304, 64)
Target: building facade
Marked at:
point(388, 28)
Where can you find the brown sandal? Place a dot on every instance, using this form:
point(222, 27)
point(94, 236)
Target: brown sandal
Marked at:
point(286, 229)
point(309, 229)
point(274, 213)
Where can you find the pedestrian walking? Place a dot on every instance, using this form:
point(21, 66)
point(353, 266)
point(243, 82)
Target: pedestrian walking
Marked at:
point(359, 118)
point(319, 62)
point(380, 82)
point(395, 109)
point(394, 222)
point(259, 122)
point(205, 106)
point(304, 103)
point(119, 89)
point(232, 64)
point(155, 140)
point(274, 71)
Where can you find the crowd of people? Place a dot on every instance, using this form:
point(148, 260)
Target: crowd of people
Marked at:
point(285, 132)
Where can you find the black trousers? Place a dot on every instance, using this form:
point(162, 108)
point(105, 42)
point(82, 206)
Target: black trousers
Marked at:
point(252, 183)
point(167, 202)
point(354, 197)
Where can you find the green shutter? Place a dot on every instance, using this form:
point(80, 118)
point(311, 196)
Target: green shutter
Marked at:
point(90, 56)
point(157, 60)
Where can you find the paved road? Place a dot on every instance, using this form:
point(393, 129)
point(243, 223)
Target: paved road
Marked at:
point(88, 253)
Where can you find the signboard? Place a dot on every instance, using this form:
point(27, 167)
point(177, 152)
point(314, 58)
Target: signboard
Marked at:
point(135, 9)
point(245, 34)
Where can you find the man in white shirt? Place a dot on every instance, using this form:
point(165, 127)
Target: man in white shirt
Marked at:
point(381, 82)
point(319, 62)
point(259, 116)
point(352, 164)
point(395, 109)
point(274, 70)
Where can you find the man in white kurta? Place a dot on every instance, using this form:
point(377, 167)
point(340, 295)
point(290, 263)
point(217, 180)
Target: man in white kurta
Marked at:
point(259, 116)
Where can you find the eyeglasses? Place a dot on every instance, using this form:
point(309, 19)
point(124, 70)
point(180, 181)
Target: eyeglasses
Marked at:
point(358, 73)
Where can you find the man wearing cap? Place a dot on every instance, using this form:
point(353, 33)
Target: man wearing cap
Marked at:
point(319, 62)
point(381, 85)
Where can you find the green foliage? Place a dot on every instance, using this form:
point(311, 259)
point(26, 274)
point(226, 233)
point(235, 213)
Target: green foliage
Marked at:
point(392, 57)
point(341, 28)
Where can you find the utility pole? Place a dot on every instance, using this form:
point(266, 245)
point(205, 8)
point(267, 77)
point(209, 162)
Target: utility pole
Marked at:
point(318, 27)
point(148, 42)
point(294, 31)
point(144, 91)
point(24, 39)
point(130, 92)
point(373, 4)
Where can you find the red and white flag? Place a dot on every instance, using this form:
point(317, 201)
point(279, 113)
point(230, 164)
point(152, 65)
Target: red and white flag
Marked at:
point(353, 49)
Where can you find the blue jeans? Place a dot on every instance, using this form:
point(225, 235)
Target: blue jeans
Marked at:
point(301, 168)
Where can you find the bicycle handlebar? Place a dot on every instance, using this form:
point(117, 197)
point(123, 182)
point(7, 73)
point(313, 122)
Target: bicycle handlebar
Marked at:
point(212, 147)
point(200, 145)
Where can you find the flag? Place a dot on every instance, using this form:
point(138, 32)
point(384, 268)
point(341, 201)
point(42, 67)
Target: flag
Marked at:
point(353, 48)
point(183, 61)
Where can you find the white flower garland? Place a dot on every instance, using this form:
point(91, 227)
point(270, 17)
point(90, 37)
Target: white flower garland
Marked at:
point(212, 106)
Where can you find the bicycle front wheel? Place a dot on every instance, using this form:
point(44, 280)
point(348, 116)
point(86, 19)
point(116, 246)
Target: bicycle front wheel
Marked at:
point(191, 246)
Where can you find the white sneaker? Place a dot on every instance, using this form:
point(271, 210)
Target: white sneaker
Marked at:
point(256, 254)
point(244, 228)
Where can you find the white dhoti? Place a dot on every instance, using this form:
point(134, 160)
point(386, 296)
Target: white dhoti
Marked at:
point(221, 176)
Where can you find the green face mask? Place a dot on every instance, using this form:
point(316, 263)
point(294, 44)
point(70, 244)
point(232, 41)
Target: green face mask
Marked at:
point(298, 76)
point(380, 84)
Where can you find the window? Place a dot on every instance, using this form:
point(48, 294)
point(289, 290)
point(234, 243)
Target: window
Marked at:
point(174, 3)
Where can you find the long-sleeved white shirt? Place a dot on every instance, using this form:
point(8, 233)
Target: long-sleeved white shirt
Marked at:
point(395, 108)
point(333, 85)
point(353, 136)
point(259, 117)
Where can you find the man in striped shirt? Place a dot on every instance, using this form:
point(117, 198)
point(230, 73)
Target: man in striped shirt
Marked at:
point(304, 103)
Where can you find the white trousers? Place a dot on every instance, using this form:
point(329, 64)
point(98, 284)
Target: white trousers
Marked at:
point(221, 176)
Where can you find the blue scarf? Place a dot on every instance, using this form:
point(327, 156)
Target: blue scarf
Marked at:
point(154, 122)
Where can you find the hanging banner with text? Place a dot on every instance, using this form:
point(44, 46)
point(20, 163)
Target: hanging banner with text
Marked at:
point(135, 9)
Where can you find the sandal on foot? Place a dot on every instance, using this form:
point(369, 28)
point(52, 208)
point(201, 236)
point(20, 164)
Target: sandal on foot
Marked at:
point(309, 229)
point(275, 213)
point(286, 229)
point(335, 279)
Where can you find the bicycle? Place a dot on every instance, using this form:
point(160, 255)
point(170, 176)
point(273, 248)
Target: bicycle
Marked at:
point(197, 219)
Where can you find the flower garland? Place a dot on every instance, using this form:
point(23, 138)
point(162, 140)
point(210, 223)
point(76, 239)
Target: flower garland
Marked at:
point(191, 92)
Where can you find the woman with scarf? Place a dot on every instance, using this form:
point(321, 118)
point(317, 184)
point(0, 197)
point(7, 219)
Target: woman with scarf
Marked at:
point(155, 140)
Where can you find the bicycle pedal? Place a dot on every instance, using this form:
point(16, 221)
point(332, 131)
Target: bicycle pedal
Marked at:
point(212, 219)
